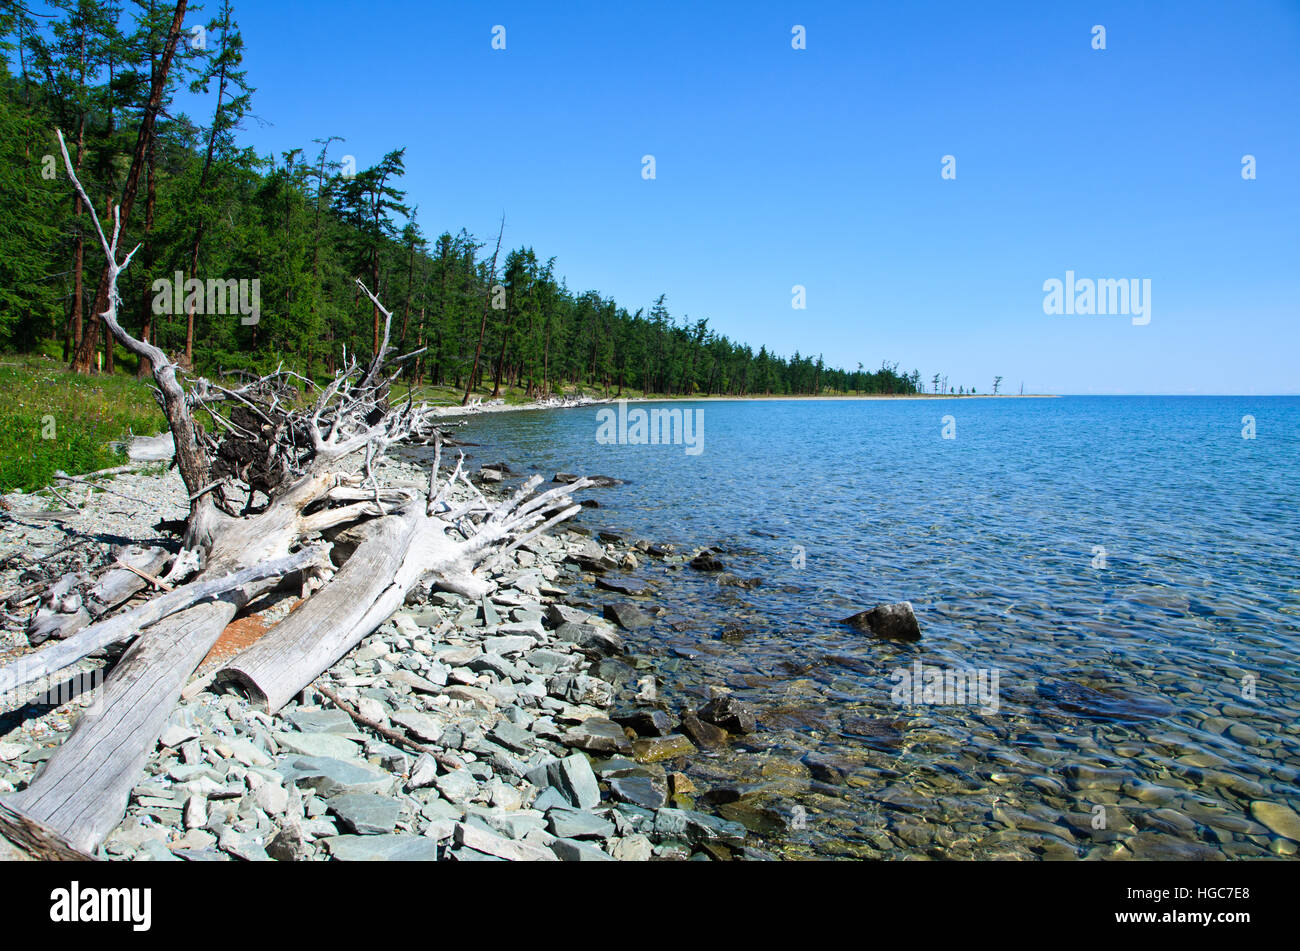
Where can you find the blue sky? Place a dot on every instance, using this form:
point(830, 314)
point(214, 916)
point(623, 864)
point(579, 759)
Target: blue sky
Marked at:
point(821, 167)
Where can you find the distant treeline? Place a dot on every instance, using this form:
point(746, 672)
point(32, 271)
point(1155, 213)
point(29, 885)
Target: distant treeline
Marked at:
point(303, 225)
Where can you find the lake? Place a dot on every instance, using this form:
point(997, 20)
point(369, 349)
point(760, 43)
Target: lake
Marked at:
point(1120, 573)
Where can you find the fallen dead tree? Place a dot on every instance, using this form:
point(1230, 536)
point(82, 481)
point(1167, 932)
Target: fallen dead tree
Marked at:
point(274, 476)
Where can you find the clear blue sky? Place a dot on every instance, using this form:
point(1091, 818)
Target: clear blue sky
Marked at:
point(821, 167)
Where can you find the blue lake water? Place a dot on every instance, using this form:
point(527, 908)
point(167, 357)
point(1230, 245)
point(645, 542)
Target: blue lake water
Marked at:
point(1127, 565)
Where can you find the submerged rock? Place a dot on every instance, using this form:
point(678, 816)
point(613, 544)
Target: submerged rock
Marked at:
point(655, 748)
point(647, 722)
point(627, 616)
point(1103, 702)
point(702, 733)
point(1280, 818)
point(629, 589)
point(876, 732)
point(600, 481)
point(648, 792)
point(706, 561)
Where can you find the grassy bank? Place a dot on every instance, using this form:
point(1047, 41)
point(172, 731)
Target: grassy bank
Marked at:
point(51, 419)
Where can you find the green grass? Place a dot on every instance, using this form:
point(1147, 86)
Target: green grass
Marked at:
point(51, 419)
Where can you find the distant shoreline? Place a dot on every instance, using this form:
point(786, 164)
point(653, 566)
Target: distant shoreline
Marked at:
point(864, 396)
point(581, 402)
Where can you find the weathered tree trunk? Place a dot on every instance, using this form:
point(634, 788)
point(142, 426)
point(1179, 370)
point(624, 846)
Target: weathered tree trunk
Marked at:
point(145, 367)
point(311, 639)
point(34, 841)
point(84, 788)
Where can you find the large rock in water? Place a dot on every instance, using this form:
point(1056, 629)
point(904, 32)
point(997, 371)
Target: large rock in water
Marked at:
point(895, 621)
point(734, 716)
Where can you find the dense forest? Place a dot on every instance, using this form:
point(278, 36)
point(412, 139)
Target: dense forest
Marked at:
point(291, 233)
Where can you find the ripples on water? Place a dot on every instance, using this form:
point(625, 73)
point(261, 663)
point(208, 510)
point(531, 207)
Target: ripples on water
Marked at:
point(1123, 689)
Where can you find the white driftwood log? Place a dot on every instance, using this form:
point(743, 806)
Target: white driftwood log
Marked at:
point(57, 618)
point(395, 553)
point(290, 656)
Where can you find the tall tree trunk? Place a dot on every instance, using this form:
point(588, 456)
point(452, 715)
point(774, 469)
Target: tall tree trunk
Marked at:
point(487, 305)
point(145, 368)
point(84, 355)
point(79, 241)
point(546, 361)
point(501, 357)
point(406, 303)
point(203, 185)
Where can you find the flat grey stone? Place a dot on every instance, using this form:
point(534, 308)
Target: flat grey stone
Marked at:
point(598, 735)
point(571, 850)
point(590, 636)
point(242, 846)
point(548, 661)
point(382, 848)
point(510, 643)
point(318, 744)
point(514, 737)
point(333, 777)
point(423, 773)
point(578, 824)
point(175, 734)
point(490, 843)
point(515, 825)
point(321, 721)
point(558, 614)
point(420, 725)
point(366, 813)
point(457, 786)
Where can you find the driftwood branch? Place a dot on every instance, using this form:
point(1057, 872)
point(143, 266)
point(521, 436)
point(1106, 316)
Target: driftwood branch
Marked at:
point(65, 653)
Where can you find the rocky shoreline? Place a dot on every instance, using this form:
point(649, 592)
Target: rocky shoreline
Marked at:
point(511, 728)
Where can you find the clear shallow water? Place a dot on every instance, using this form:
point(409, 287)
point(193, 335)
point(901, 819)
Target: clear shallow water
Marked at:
point(1124, 689)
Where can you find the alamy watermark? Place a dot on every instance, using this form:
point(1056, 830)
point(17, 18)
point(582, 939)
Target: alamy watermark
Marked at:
point(922, 684)
point(1104, 297)
point(85, 688)
point(75, 904)
point(215, 296)
point(655, 427)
